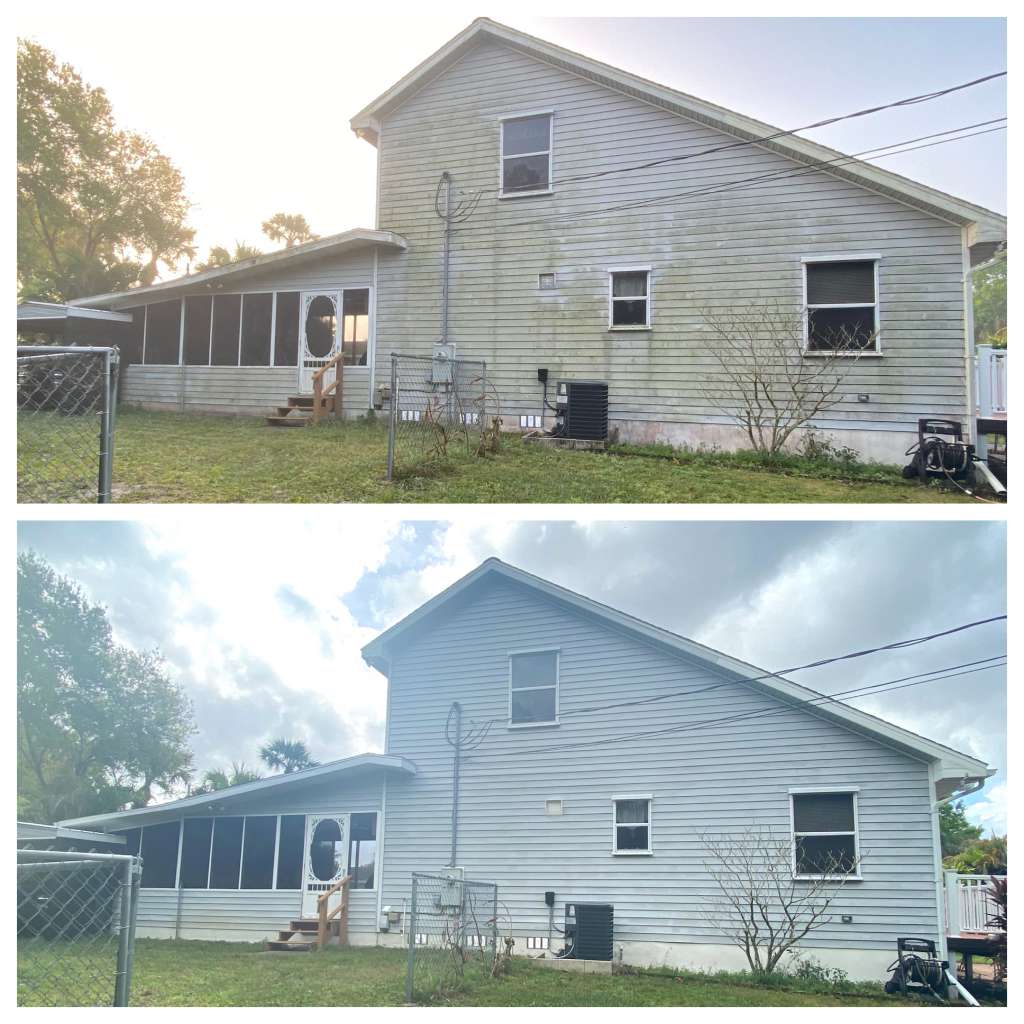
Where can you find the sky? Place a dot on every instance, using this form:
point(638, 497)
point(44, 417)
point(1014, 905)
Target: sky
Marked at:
point(261, 617)
point(254, 110)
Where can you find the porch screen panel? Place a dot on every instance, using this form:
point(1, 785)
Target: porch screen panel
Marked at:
point(198, 309)
point(227, 310)
point(163, 333)
point(132, 839)
point(130, 338)
point(286, 339)
point(160, 855)
point(256, 310)
point(290, 849)
point(355, 325)
point(258, 852)
point(227, 853)
point(362, 850)
point(196, 836)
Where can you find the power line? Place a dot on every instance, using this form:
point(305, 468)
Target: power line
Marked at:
point(869, 690)
point(780, 174)
point(908, 101)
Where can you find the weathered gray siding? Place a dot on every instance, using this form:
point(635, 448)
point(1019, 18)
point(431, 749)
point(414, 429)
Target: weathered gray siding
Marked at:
point(713, 250)
point(722, 778)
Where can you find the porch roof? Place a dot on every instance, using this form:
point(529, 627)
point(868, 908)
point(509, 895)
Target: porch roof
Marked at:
point(49, 316)
point(126, 819)
point(217, 278)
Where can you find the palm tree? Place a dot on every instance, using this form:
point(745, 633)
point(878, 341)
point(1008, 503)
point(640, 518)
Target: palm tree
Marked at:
point(287, 755)
point(290, 228)
point(221, 778)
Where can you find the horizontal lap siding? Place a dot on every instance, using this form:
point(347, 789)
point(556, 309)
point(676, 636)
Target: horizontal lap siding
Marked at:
point(707, 251)
point(720, 778)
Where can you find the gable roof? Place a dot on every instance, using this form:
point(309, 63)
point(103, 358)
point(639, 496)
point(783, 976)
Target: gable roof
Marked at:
point(951, 765)
point(984, 225)
point(125, 819)
point(216, 278)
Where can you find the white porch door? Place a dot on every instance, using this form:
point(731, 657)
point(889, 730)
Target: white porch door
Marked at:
point(320, 336)
point(326, 858)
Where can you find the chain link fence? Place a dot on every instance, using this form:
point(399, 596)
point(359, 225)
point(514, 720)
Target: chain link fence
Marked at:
point(66, 399)
point(76, 927)
point(437, 404)
point(453, 934)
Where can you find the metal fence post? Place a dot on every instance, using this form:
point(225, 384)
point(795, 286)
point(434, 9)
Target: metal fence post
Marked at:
point(107, 426)
point(124, 927)
point(393, 418)
point(130, 965)
point(411, 966)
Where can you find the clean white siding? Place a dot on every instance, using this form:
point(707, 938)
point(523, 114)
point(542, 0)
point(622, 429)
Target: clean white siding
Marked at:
point(713, 250)
point(723, 777)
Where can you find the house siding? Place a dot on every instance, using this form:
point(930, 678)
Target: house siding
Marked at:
point(717, 778)
point(252, 390)
point(707, 251)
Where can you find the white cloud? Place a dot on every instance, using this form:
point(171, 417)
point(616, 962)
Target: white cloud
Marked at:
point(991, 810)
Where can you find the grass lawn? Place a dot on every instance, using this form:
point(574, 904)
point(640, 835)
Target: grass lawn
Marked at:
point(170, 973)
point(171, 457)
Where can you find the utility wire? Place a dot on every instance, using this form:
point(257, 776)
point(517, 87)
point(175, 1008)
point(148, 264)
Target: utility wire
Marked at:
point(772, 175)
point(908, 101)
point(869, 690)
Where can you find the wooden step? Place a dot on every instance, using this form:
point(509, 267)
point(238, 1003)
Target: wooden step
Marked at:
point(288, 421)
point(301, 401)
point(303, 924)
point(291, 947)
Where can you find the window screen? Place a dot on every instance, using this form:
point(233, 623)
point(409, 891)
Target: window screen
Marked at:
point(842, 307)
point(163, 333)
point(132, 836)
point(632, 825)
point(355, 325)
point(630, 299)
point(258, 852)
point(197, 330)
point(160, 855)
point(130, 336)
point(256, 313)
point(195, 853)
point(227, 853)
point(226, 318)
point(290, 849)
point(286, 337)
point(824, 833)
point(533, 683)
point(526, 154)
point(362, 850)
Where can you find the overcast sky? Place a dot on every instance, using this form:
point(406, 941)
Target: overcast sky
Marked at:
point(254, 109)
point(261, 617)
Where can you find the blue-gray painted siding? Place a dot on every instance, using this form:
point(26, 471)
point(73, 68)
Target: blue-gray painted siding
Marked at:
point(715, 778)
point(713, 250)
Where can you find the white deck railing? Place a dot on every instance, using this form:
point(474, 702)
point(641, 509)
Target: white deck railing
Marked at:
point(968, 906)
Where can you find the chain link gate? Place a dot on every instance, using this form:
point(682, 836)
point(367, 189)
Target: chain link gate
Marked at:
point(66, 399)
point(434, 402)
point(453, 933)
point(76, 927)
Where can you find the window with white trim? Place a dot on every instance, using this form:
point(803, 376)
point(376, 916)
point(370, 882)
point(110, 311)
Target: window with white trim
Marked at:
point(842, 305)
point(533, 688)
point(824, 834)
point(629, 298)
point(632, 817)
point(526, 155)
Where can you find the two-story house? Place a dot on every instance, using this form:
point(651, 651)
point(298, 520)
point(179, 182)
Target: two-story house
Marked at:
point(608, 219)
point(608, 754)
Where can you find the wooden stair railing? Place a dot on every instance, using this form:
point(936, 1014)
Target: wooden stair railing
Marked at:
point(340, 911)
point(320, 392)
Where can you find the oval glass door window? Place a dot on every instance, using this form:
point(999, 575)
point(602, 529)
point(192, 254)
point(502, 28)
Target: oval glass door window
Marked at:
point(321, 327)
point(326, 851)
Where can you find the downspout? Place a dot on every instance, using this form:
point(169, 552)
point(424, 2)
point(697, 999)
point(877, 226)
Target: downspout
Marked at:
point(381, 819)
point(456, 757)
point(939, 877)
point(970, 361)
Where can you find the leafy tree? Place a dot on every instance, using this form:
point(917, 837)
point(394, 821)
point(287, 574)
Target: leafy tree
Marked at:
point(990, 305)
point(220, 257)
point(955, 831)
point(980, 857)
point(99, 725)
point(99, 208)
point(290, 228)
point(287, 755)
point(220, 778)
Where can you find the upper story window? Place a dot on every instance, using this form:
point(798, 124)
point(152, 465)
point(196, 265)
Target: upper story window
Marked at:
point(533, 688)
point(825, 834)
point(842, 304)
point(526, 155)
point(629, 298)
point(632, 824)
